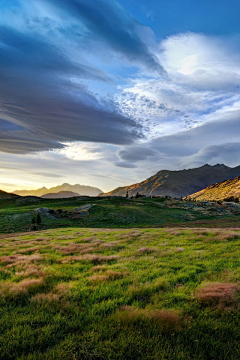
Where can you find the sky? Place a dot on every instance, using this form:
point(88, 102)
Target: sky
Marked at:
point(106, 93)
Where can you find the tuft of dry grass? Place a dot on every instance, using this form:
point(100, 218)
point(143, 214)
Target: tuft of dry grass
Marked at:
point(179, 249)
point(33, 249)
point(95, 259)
point(49, 297)
point(20, 288)
point(108, 275)
point(12, 259)
point(145, 250)
point(168, 320)
point(89, 239)
point(98, 278)
point(42, 239)
point(112, 275)
point(110, 244)
point(134, 233)
point(71, 249)
point(30, 270)
point(65, 237)
point(87, 250)
point(58, 293)
point(175, 233)
point(98, 268)
point(222, 295)
point(228, 236)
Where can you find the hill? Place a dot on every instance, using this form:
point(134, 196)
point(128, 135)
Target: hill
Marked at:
point(60, 195)
point(6, 195)
point(79, 189)
point(179, 183)
point(219, 191)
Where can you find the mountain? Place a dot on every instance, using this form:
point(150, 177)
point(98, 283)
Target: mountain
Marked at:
point(60, 195)
point(38, 192)
point(6, 195)
point(179, 183)
point(79, 189)
point(219, 191)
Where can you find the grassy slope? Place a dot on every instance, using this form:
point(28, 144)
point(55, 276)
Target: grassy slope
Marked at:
point(219, 191)
point(6, 195)
point(136, 298)
point(15, 215)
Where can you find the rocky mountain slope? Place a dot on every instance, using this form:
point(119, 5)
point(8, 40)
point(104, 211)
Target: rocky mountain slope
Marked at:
point(219, 191)
point(79, 189)
point(179, 183)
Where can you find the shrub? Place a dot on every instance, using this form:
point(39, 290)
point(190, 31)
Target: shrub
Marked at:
point(38, 220)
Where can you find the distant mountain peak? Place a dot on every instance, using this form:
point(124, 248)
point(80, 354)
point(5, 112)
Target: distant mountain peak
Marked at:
point(77, 189)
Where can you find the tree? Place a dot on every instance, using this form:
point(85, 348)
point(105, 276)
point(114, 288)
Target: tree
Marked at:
point(127, 195)
point(39, 220)
point(33, 221)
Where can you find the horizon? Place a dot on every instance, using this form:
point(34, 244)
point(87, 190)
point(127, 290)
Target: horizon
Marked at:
point(108, 93)
point(66, 183)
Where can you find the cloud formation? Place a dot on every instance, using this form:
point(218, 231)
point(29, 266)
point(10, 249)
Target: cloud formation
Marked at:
point(108, 21)
point(46, 93)
point(84, 83)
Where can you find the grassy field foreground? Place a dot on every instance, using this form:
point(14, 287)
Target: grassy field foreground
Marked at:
point(120, 294)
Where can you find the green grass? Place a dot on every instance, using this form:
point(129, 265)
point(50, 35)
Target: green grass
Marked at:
point(81, 293)
point(15, 215)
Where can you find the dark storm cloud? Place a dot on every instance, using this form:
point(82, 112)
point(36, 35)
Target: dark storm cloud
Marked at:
point(41, 107)
point(107, 20)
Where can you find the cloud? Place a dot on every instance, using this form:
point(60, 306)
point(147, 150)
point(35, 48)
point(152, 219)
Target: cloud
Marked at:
point(136, 153)
point(45, 174)
point(215, 141)
point(39, 96)
point(205, 62)
point(108, 21)
point(203, 76)
point(124, 164)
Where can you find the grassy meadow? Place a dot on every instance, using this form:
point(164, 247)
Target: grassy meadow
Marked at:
point(149, 293)
point(16, 214)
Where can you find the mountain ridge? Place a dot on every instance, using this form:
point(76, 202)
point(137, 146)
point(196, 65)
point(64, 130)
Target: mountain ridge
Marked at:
point(7, 195)
point(177, 183)
point(219, 191)
point(77, 188)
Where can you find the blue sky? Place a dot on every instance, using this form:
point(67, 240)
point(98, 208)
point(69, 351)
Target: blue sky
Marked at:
point(170, 17)
point(106, 93)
